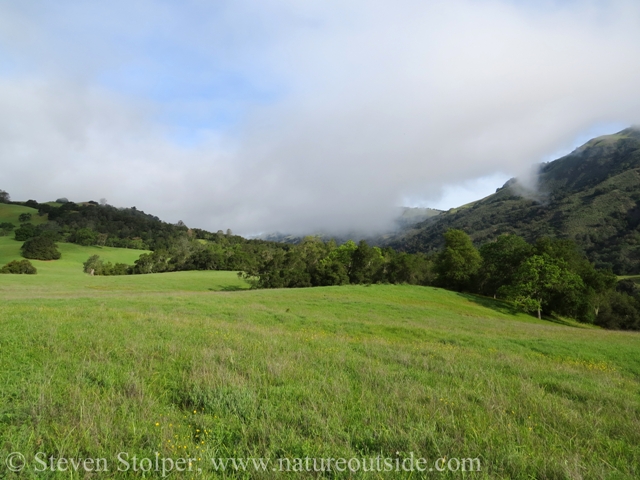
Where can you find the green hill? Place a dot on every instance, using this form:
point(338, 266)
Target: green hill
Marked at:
point(11, 213)
point(191, 364)
point(65, 276)
point(353, 372)
point(591, 196)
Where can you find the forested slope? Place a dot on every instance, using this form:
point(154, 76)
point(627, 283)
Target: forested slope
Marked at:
point(591, 196)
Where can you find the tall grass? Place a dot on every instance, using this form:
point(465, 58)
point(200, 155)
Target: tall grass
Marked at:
point(187, 365)
point(167, 366)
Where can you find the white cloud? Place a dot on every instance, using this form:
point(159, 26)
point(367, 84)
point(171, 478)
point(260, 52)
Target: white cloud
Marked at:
point(379, 101)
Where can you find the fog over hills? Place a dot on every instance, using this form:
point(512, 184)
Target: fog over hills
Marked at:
point(301, 116)
point(591, 196)
point(405, 218)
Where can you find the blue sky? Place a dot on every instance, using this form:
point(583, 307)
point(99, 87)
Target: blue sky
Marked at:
point(299, 116)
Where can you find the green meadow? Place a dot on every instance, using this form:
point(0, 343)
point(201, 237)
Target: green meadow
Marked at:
point(194, 365)
point(11, 213)
point(64, 277)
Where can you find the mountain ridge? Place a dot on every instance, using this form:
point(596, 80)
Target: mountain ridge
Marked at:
point(591, 195)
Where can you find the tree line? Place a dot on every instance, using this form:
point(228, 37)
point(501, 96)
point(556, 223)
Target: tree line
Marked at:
point(549, 276)
point(278, 265)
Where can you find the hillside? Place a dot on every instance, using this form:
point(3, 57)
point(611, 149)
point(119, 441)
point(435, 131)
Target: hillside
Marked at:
point(175, 246)
point(125, 364)
point(591, 196)
point(192, 364)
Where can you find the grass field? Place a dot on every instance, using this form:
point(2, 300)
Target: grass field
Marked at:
point(175, 366)
point(64, 277)
point(10, 213)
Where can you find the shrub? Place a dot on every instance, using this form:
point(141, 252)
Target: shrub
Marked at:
point(86, 237)
point(5, 228)
point(62, 200)
point(116, 269)
point(19, 267)
point(26, 231)
point(619, 311)
point(40, 248)
point(95, 264)
point(43, 209)
point(24, 217)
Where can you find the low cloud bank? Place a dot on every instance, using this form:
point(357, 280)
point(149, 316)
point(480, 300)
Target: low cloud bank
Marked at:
point(375, 103)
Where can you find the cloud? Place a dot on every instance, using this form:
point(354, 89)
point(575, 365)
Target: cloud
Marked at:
point(302, 116)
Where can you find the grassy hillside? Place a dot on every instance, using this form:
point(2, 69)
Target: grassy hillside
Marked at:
point(159, 364)
point(65, 277)
point(591, 196)
point(10, 213)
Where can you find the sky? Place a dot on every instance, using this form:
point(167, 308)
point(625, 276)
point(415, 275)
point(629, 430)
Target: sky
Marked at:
point(297, 117)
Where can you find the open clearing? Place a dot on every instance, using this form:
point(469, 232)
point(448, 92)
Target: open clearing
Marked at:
point(185, 364)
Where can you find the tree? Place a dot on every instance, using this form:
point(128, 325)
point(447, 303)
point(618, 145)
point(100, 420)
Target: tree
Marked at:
point(344, 255)
point(93, 265)
point(620, 311)
point(203, 259)
point(581, 304)
point(459, 262)
point(62, 200)
point(366, 264)
point(24, 217)
point(330, 272)
point(44, 209)
point(598, 283)
point(5, 228)
point(4, 197)
point(19, 267)
point(26, 231)
point(500, 261)
point(86, 237)
point(538, 280)
point(40, 248)
point(154, 262)
point(102, 239)
point(412, 269)
point(282, 269)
